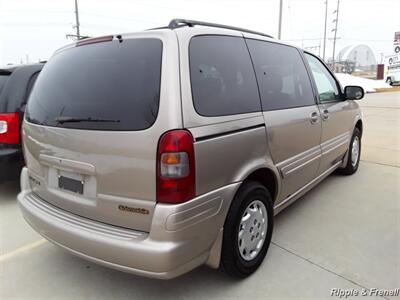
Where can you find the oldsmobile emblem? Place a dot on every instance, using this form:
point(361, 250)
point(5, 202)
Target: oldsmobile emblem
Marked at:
point(136, 210)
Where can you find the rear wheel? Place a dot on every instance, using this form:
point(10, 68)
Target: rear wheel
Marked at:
point(354, 153)
point(389, 81)
point(247, 230)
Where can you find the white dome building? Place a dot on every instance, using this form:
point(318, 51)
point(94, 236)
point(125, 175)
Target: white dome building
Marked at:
point(361, 55)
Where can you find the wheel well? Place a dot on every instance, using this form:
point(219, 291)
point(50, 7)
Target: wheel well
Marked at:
point(359, 125)
point(267, 178)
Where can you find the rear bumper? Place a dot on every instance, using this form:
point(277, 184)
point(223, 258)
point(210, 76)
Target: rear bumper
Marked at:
point(11, 162)
point(180, 239)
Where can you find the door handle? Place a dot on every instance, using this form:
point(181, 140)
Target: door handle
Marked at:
point(314, 117)
point(325, 115)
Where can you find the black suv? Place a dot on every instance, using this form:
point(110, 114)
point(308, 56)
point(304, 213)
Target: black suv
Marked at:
point(16, 83)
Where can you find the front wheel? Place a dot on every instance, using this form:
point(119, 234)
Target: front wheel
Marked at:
point(389, 81)
point(247, 230)
point(354, 152)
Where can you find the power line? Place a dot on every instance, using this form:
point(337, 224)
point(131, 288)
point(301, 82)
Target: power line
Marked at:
point(36, 11)
point(118, 18)
point(346, 39)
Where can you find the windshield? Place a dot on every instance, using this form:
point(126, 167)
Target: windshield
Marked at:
point(102, 81)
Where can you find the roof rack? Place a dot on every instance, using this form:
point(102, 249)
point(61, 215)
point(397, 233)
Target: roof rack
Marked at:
point(176, 23)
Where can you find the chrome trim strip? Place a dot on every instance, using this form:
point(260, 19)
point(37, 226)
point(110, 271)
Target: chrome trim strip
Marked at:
point(299, 161)
point(304, 188)
point(302, 165)
point(335, 147)
point(335, 142)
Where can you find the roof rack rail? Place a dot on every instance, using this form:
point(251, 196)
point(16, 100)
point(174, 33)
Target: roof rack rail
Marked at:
point(176, 23)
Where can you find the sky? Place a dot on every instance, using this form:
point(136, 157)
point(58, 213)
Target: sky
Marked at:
point(32, 30)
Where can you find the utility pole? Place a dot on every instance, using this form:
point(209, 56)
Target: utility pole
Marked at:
point(280, 19)
point(77, 27)
point(326, 17)
point(78, 33)
point(334, 38)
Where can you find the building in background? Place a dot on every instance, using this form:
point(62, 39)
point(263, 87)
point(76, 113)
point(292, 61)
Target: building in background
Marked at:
point(357, 60)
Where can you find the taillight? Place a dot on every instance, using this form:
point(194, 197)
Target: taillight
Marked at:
point(9, 128)
point(176, 175)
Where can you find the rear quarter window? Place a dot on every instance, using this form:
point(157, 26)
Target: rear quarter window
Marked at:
point(117, 82)
point(222, 77)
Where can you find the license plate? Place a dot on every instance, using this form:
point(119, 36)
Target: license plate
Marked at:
point(70, 184)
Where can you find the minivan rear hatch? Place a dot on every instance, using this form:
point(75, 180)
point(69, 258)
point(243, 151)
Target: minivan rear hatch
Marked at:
point(89, 143)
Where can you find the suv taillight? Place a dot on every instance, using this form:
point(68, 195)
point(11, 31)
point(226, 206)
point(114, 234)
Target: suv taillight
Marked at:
point(9, 129)
point(176, 175)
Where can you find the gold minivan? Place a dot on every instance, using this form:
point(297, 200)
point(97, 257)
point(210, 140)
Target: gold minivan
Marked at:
point(159, 151)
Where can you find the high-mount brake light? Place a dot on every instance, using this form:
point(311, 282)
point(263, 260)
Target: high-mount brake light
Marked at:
point(89, 41)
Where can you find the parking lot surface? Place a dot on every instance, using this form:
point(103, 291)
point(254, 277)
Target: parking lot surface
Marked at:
point(344, 234)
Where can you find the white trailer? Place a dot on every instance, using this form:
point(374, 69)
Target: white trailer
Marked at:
point(392, 69)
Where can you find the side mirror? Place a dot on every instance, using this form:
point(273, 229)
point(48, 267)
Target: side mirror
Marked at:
point(353, 92)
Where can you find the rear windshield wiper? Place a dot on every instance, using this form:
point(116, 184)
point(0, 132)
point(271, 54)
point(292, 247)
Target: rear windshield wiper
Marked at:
point(62, 120)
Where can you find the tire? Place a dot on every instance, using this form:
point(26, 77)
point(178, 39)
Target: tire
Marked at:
point(252, 196)
point(389, 81)
point(352, 161)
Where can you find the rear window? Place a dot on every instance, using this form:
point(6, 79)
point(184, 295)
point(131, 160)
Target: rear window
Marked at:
point(31, 83)
point(222, 76)
point(3, 80)
point(103, 86)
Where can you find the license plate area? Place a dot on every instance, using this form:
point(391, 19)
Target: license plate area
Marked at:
point(71, 182)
